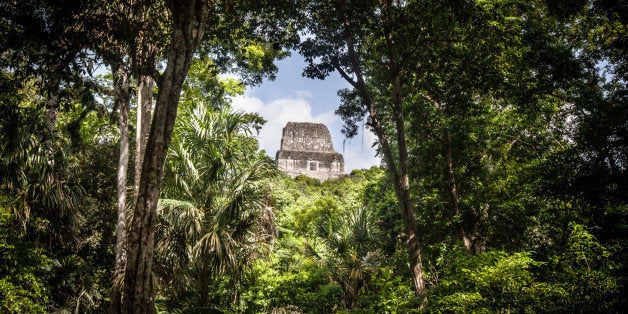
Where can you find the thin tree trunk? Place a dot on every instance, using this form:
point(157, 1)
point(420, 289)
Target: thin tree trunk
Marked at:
point(188, 19)
point(466, 241)
point(402, 186)
point(403, 190)
point(398, 174)
point(403, 181)
point(52, 115)
point(122, 97)
point(144, 106)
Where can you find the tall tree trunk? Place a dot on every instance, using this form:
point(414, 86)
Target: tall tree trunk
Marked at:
point(466, 240)
point(398, 172)
point(188, 19)
point(402, 183)
point(144, 106)
point(403, 180)
point(122, 97)
point(402, 187)
point(145, 54)
point(52, 115)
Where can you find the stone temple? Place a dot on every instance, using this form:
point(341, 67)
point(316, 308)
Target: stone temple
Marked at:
point(306, 148)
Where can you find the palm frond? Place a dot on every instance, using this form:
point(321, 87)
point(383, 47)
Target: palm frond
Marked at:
point(217, 221)
point(182, 215)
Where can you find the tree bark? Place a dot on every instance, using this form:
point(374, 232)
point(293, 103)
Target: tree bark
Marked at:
point(203, 298)
point(188, 19)
point(144, 107)
point(403, 180)
point(466, 240)
point(402, 187)
point(122, 97)
point(397, 171)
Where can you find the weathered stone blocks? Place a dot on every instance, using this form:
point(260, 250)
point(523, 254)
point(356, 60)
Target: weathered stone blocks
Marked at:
point(306, 148)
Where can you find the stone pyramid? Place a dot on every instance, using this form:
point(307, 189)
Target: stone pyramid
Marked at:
point(306, 148)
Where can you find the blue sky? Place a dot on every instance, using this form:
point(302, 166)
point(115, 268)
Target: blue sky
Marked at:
point(291, 97)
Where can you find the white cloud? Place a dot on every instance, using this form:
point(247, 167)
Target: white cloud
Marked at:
point(303, 94)
point(358, 152)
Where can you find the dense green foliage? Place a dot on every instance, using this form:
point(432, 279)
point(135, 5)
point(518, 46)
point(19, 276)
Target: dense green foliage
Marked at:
point(515, 125)
point(331, 256)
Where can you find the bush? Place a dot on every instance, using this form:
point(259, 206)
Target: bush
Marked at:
point(22, 270)
point(494, 282)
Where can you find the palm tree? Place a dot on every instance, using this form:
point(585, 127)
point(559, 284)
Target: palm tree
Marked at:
point(349, 249)
point(212, 221)
point(34, 170)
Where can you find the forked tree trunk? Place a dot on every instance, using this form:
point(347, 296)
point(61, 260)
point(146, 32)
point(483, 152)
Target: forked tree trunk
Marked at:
point(122, 97)
point(188, 19)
